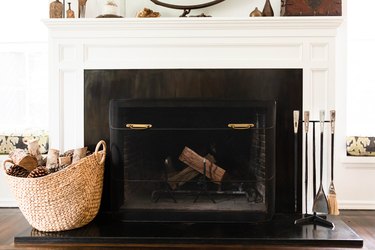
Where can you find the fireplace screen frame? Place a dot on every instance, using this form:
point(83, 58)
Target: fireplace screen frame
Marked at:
point(186, 116)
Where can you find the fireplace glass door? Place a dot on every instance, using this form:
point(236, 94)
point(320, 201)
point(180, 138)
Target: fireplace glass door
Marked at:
point(192, 160)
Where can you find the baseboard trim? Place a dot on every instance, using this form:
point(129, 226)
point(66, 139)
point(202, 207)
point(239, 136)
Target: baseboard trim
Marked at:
point(8, 203)
point(357, 205)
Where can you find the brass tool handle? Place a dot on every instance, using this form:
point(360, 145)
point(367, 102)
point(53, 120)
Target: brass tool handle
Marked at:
point(241, 125)
point(322, 115)
point(138, 126)
point(333, 120)
point(295, 120)
point(306, 121)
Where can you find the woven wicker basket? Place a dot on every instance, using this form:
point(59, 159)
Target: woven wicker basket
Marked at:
point(67, 199)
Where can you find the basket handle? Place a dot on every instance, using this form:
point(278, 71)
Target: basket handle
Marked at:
point(100, 143)
point(5, 162)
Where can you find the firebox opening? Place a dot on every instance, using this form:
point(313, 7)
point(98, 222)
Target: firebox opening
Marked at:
point(194, 156)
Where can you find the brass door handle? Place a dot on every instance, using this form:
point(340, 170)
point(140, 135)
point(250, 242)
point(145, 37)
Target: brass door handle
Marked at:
point(138, 126)
point(241, 125)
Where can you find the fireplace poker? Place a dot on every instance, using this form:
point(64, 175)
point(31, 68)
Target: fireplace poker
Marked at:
point(320, 203)
point(332, 201)
point(306, 218)
point(295, 124)
point(306, 122)
point(314, 163)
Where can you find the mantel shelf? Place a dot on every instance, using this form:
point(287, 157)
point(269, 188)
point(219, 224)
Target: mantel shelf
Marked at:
point(308, 23)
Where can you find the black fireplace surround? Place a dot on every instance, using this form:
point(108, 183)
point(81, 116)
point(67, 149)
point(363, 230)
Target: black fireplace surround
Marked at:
point(177, 101)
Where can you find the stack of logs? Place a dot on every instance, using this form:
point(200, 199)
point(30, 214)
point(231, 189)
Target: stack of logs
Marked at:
point(31, 164)
point(196, 165)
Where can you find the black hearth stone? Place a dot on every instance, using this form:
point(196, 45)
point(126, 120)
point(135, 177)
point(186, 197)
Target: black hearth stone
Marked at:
point(280, 230)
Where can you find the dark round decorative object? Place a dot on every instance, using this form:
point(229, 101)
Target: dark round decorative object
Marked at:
point(186, 8)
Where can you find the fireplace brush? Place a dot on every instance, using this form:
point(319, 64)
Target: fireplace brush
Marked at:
point(332, 201)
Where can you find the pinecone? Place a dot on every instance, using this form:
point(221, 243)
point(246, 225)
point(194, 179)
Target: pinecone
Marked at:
point(58, 168)
point(38, 172)
point(68, 153)
point(17, 171)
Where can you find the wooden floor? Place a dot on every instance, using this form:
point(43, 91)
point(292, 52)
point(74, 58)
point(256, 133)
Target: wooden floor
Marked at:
point(12, 223)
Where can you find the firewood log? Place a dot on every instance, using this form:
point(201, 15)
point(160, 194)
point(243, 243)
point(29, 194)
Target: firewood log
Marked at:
point(195, 161)
point(78, 154)
point(52, 158)
point(182, 177)
point(65, 160)
point(33, 149)
point(23, 159)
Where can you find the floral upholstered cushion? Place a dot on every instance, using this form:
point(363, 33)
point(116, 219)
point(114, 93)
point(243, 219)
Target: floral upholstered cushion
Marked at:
point(360, 146)
point(8, 142)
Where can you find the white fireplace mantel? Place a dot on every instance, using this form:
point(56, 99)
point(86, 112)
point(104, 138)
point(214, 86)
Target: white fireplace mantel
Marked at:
point(271, 42)
point(308, 43)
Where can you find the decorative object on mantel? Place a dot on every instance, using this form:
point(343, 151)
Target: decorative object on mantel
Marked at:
point(69, 12)
point(110, 10)
point(75, 191)
point(267, 9)
point(360, 146)
point(147, 13)
point(82, 8)
point(63, 9)
point(256, 12)
point(311, 8)
point(186, 8)
point(200, 15)
point(56, 9)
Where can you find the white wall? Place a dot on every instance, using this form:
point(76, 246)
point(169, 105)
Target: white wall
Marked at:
point(355, 177)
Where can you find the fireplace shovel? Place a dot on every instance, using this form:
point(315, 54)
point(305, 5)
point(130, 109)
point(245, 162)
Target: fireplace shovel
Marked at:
point(320, 203)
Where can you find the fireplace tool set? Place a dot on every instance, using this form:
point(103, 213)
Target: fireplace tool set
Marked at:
point(320, 206)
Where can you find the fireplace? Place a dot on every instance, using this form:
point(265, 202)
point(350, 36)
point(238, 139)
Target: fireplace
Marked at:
point(258, 163)
point(134, 59)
